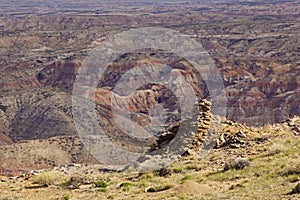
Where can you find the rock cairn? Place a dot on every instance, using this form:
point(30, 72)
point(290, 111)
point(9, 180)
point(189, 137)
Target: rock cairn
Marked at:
point(204, 121)
point(190, 141)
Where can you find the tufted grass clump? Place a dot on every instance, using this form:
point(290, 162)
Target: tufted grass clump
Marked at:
point(50, 178)
point(236, 164)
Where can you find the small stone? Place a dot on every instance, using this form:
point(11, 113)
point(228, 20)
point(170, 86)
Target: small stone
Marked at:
point(198, 143)
point(205, 126)
point(205, 133)
point(296, 190)
point(189, 152)
point(150, 189)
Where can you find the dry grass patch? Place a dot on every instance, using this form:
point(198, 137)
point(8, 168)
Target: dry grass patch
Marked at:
point(51, 178)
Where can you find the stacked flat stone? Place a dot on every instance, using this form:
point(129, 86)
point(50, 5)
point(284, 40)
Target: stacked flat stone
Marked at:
point(204, 119)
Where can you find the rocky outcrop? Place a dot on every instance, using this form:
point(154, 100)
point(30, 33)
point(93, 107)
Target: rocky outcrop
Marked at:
point(236, 140)
point(295, 190)
point(294, 125)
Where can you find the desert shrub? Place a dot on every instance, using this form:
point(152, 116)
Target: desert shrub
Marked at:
point(238, 163)
point(142, 184)
point(66, 197)
point(195, 167)
point(163, 172)
point(185, 178)
point(111, 197)
point(50, 178)
point(183, 197)
point(125, 186)
point(277, 148)
point(294, 169)
point(101, 184)
point(177, 170)
point(101, 189)
point(146, 176)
